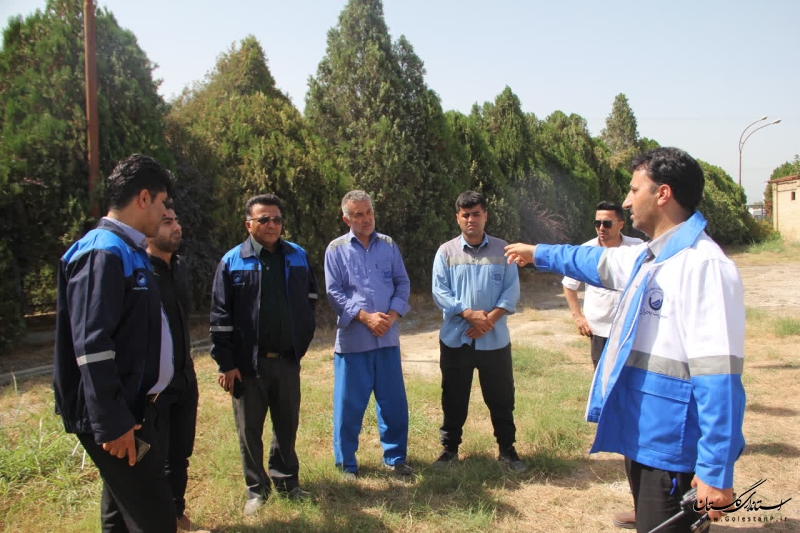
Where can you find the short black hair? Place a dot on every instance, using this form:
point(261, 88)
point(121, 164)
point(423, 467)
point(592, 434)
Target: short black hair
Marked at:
point(607, 205)
point(469, 199)
point(676, 168)
point(262, 199)
point(134, 174)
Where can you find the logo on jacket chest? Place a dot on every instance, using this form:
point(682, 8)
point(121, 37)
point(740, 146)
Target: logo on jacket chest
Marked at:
point(140, 281)
point(653, 302)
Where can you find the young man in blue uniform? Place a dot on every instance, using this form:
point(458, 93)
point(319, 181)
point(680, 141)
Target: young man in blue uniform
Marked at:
point(475, 289)
point(113, 353)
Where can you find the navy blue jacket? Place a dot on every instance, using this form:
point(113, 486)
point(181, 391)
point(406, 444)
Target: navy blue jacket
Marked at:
point(236, 299)
point(108, 334)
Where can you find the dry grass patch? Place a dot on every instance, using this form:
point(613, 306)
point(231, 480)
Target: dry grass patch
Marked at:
point(565, 490)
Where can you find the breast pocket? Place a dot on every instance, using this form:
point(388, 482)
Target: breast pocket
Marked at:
point(384, 273)
point(496, 273)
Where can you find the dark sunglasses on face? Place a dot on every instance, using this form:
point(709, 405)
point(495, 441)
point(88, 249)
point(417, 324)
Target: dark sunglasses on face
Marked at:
point(605, 223)
point(263, 220)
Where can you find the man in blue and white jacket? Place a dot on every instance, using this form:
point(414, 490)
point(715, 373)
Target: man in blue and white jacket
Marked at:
point(667, 393)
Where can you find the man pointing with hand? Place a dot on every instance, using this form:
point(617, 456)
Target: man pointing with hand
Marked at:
point(668, 391)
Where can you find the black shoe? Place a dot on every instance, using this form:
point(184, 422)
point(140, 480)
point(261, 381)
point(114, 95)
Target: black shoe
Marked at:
point(297, 494)
point(400, 468)
point(509, 457)
point(446, 458)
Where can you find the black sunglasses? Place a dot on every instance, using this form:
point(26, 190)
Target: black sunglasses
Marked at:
point(263, 220)
point(605, 223)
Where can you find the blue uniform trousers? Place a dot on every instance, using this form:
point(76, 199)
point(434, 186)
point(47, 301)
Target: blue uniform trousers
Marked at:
point(356, 376)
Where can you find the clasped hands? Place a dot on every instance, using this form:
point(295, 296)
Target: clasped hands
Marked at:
point(378, 323)
point(480, 322)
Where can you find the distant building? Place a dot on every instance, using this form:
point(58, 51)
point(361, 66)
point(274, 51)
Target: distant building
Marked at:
point(786, 207)
point(757, 211)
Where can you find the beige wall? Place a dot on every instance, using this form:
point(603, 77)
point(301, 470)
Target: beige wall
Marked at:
point(785, 211)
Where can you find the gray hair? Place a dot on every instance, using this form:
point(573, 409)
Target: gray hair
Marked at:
point(354, 196)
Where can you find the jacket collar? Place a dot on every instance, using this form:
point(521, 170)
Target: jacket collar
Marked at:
point(684, 236)
point(248, 250)
point(117, 229)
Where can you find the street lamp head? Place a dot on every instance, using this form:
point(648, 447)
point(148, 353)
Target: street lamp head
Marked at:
point(762, 118)
point(775, 122)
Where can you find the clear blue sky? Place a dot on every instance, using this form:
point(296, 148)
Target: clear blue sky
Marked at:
point(695, 72)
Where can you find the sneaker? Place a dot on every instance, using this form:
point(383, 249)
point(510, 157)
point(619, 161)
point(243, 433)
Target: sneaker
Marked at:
point(400, 468)
point(253, 505)
point(446, 458)
point(509, 457)
point(297, 494)
point(349, 476)
point(626, 520)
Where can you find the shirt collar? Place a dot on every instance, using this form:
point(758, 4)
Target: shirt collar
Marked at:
point(483, 243)
point(372, 236)
point(656, 245)
point(133, 234)
point(257, 247)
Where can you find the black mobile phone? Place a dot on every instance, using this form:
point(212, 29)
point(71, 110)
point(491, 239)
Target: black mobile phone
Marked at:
point(141, 448)
point(238, 388)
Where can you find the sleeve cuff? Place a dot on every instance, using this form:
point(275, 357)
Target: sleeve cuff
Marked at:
point(400, 306)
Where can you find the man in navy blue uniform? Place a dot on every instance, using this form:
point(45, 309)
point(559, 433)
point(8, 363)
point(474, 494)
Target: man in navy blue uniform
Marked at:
point(113, 352)
point(262, 322)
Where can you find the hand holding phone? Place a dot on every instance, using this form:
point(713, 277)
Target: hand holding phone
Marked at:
point(238, 388)
point(141, 448)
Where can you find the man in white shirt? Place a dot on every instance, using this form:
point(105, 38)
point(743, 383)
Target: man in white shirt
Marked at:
point(599, 305)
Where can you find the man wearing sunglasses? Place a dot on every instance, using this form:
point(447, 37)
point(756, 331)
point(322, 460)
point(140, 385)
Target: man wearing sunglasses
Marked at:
point(262, 322)
point(599, 304)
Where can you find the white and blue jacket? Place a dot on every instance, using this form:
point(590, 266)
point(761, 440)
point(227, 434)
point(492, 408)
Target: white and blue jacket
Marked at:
point(668, 391)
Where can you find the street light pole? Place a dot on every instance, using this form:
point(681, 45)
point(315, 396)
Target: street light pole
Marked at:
point(743, 139)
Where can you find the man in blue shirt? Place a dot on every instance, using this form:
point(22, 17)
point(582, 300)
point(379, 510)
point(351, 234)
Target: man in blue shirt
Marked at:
point(475, 288)
point(368, 287)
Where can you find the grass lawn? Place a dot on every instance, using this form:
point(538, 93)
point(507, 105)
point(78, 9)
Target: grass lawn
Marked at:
point(44, 485)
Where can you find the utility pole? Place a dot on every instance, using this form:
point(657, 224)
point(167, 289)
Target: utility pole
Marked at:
point(93, 127)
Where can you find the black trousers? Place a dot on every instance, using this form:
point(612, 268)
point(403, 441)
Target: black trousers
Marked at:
point(657, 496)
point(179, 405)
point(497, 385)
point(276, 389)
point(597, 345)
point(135, 499)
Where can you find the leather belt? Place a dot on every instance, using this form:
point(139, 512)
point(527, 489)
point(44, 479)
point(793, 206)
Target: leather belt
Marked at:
point(272, 355)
